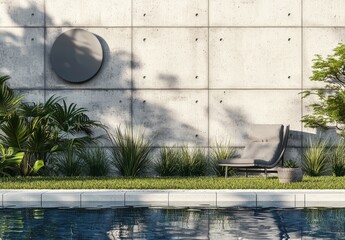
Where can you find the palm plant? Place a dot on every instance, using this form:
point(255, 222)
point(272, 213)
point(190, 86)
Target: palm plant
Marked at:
point(316, 157)
point(8, 100)
point(130, 152)
point(9, 161)
point(42, 129)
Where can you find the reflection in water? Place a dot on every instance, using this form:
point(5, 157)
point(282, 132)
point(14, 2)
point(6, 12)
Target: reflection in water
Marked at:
point(151, 223)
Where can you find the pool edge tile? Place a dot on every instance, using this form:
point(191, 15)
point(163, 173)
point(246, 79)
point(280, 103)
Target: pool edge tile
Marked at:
point(97, 199)
point(147, 198)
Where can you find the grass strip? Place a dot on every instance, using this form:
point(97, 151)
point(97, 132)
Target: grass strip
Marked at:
point(258, 182)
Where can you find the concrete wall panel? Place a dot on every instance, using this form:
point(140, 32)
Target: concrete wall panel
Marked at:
point(172, 117)
point(88, 13)
point(160, 67)
point(232, 111)
point(116, 68)
point(255, 13)
point(324, 13)
point(170, 13)
point(111, 107)
point(318, 41)
point(188, 87)
point(255, 58)
point(22, 12)
point(22, 56)
point(36, 96)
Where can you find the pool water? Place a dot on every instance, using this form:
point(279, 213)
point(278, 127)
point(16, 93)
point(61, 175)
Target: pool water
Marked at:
point(154, 223)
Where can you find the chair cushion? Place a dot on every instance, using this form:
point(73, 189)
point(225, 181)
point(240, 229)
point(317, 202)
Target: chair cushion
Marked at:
point(265, 133)
point(262, 152)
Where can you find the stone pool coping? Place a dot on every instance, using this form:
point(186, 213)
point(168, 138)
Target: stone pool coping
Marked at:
point(171, 198)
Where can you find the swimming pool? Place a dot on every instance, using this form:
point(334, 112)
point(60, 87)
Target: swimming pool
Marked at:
point(156, 223)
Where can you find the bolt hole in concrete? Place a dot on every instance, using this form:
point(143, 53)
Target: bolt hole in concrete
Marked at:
point(144, 77)
point(196, 14)
point(289, 77)
point(289, 14)
point(221, 101)
point(32, 39)
point(289, 39)
point(196, 101)
point(221, 39)
point(144, 39)
point(144, 14)
point(32, 14)
point(196, 39)
point(196, 135)
point(196, 77)
point(144, 101)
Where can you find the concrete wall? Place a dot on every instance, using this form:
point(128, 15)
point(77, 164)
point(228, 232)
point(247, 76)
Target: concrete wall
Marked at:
point(189, 71)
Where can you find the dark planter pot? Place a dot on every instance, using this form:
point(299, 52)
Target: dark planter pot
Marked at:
point(288, 175)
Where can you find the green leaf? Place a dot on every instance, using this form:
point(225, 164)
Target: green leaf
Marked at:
point(38, 165)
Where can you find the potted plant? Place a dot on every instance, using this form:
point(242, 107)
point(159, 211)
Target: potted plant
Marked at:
point(290, 172)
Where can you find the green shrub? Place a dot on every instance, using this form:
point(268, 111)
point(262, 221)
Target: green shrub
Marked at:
point(316, 157)
point(10, 161)
point(290, 164)
point(338, 159)
point(42, 129)
point(96, 161)
point(168, 162)
point(130, 152)
point(220, 152)
point(68, 163)
point(193, 162)
point(329, 109)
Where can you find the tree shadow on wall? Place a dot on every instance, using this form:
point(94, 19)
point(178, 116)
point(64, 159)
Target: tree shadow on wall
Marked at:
point(22, 55)
point(23, 64)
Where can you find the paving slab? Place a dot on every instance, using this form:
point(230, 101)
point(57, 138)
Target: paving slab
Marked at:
point(192, 199)
point(147, 198)
point(102, 199)
point(22, 199)
point(61, 199)
point(325, 199)
point(236, 199)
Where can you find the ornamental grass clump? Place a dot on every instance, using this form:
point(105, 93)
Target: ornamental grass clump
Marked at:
point(168, 162)
point(130, 152)
point(337, 158)
point(183, 161)
point(316, 157)
point(220, 152)
point(68, 163)
point(96, 161)
point(290, 164)
point(193, 162)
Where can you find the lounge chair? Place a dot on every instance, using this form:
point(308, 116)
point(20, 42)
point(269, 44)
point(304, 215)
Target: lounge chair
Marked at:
point(264, 151)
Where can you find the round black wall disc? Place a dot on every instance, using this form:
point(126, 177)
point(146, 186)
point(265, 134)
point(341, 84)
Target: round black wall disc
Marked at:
point(76, 55)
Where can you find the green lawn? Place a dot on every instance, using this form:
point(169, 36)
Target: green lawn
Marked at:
point(168, 183)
